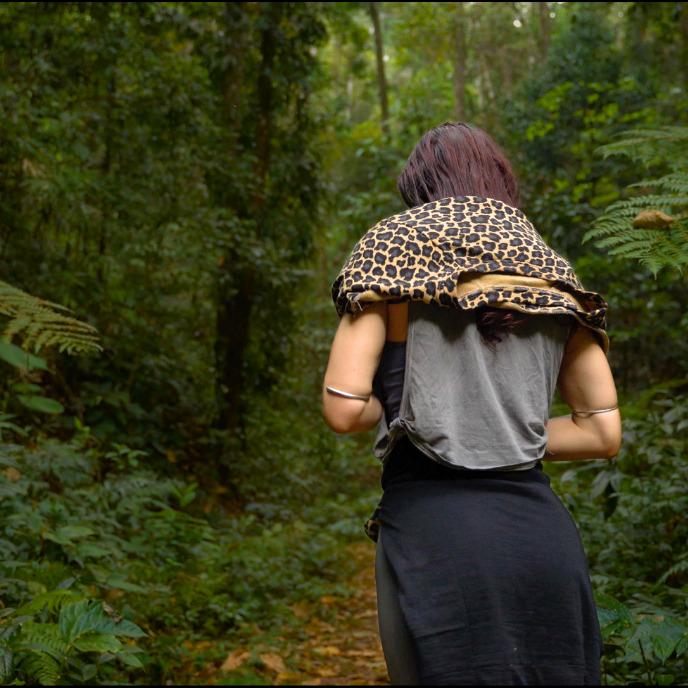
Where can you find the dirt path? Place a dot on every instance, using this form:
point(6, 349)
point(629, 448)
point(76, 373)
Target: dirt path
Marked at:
point(337, 642)
point(348, 651)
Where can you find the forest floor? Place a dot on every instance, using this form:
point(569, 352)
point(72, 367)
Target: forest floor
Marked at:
point(336, 642)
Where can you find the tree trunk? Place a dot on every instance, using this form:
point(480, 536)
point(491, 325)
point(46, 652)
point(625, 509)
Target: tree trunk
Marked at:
point(268, 50)
point(233, 288)
point(236, 281)
point(459, 62)
point(236, 33)
point(543, 35)
point(233, 322)
point(379, 53)
point(683, 27)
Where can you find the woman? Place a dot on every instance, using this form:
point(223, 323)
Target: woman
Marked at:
point(458, 322)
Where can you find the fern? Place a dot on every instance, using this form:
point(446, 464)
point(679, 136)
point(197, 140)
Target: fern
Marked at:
point(47, 635)
point(41, 668)
point(655, 245)
point(72, 631)
point(54, 600)
point(42, 323)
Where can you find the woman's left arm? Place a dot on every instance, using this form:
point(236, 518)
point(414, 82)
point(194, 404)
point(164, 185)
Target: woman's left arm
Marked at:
point(354, 360)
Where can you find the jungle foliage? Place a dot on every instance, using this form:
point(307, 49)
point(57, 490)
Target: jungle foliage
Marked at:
point(186, 179)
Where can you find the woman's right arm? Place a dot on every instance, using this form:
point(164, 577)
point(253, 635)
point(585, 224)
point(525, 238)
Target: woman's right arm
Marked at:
point(586, 384)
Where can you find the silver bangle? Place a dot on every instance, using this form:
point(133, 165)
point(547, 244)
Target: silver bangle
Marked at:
point(613, 408)
point(346, 395)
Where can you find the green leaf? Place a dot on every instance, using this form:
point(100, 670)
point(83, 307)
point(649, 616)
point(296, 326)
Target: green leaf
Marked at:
point(88, 549)
point(88, 672)
point(26, 388)
point(42, 404)
point(621, 611)
point(131, 660)
point(66, 534)
point(665, 679)
point(681, 645)
point(663, 646)
point(5, 661)
point(124, 628)
point(77, 619)
point(98, 643)
point(119, 580)
point(19, 358)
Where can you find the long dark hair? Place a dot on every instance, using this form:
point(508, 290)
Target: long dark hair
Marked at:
point(461, 160)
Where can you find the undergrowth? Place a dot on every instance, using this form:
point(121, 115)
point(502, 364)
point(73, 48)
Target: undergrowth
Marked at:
point(120, 542)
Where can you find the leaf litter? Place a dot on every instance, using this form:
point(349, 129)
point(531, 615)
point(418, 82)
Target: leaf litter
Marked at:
point(334, 641)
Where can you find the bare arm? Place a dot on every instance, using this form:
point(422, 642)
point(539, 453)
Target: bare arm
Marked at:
point(354, 360)
point(585, 384)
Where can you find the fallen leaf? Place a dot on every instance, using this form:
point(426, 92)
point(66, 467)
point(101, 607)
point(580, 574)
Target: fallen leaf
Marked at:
point(273, 661)
point(204, 645)
point(12, 474)
point(328, 651)
point(206, 672)
point(234, 660)
point(328, 599)
point(170, 456)
point(300, 610)
point(360, 653)
point(312, 682)
point(366, 615)
point(290, 676)
point(327, 673)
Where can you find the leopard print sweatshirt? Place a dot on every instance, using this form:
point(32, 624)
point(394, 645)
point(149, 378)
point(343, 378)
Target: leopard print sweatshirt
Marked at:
point(465, 252)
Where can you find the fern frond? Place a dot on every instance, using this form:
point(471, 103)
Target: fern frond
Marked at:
point(663, 246)
point(42, 323)
point(41, 667)
point(48, 635)
point(679, 567)
point(54, 600)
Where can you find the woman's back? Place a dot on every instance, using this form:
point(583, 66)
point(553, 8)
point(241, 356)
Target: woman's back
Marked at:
point(469, 405)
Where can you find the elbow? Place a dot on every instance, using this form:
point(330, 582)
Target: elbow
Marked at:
point(339, 418)
point(337, 424)
point(611, 444)
point(609, 451)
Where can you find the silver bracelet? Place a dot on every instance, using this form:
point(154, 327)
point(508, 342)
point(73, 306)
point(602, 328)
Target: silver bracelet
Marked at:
point(613, 408)
point(346, 395)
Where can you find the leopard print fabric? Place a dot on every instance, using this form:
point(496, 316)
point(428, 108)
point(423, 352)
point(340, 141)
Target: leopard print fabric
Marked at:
point(425, 253)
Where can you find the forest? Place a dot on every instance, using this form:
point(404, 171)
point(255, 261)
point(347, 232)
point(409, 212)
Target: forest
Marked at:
point(180, 184)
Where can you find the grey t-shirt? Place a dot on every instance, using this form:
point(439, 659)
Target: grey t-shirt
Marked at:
point(468, 405)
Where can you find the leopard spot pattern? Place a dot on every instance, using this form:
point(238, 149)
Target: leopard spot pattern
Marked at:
point(422, 253)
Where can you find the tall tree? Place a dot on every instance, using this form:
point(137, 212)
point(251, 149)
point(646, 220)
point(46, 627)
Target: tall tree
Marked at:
point(380, 58)
point(683, 32)
point(268, 178)
point(234, 280)
point(459, 62)
point(543, 33)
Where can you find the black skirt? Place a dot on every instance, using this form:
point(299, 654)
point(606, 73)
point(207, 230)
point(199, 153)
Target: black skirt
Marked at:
point(493, 581)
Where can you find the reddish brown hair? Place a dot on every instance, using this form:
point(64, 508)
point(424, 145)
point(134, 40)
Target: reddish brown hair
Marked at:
point(461, 160)
point(457, 160)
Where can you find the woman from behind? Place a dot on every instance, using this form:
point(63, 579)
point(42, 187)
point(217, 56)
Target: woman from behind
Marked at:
point(458, 324)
